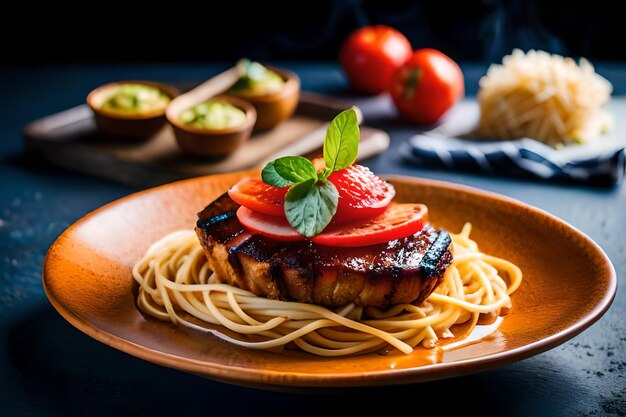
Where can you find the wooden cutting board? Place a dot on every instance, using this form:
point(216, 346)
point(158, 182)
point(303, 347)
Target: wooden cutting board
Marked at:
point(70, 139)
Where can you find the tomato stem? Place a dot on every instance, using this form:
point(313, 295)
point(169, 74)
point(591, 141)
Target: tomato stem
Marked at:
point(411, 82)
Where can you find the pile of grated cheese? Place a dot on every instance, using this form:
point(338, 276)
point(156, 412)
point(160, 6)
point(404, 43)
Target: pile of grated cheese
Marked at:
point(545, 97)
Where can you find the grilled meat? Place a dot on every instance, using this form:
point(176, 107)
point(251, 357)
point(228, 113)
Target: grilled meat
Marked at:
point(402, 271)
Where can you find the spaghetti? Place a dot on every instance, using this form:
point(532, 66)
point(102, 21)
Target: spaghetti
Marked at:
point(176, 285)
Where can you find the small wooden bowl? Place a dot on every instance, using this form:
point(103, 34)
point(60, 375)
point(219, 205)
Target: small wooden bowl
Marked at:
point(129, 126)
point(213, 142)
point(274, 108)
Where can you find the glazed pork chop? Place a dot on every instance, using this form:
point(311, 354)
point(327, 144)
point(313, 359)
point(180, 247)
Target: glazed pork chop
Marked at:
point(404, 270)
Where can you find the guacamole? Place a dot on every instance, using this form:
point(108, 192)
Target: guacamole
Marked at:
point(135, 99)
point(255, 79)
point(214, 115)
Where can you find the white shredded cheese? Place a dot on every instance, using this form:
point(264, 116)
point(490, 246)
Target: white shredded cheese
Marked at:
point(545, 97)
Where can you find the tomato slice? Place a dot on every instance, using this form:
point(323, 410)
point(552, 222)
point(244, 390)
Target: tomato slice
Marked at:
point(397, 221)
point(260, 197)
point(271, 226)
point(362, 194)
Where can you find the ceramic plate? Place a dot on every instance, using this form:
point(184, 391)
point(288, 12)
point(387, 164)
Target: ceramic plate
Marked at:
point(568, 284)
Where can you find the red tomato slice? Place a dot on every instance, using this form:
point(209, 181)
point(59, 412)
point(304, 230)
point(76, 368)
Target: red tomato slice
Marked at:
point(258, 196)
point(362, 194)
point(271, 226)
point(398, 220)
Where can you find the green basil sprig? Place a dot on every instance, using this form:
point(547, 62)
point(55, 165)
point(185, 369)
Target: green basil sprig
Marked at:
point(311, 202)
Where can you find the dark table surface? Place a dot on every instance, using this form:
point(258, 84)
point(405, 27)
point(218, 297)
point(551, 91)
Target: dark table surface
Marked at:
point(49, 368)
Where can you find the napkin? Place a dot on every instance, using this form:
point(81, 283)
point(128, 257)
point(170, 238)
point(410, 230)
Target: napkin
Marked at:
point(523, 157)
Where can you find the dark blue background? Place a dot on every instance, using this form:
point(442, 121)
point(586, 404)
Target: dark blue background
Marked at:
point(466, 30)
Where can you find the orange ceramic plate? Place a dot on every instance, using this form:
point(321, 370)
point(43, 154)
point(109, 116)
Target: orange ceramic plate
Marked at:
point(568, 284)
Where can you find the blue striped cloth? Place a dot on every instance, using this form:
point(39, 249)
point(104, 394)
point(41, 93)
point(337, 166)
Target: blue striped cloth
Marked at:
point(523, 157)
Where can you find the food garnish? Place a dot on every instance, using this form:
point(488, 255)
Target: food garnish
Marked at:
point(398, 220)
point(258, 196)
point(312, 199)
point(331, 201)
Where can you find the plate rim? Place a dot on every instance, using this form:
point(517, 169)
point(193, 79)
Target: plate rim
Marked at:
point(267, 378)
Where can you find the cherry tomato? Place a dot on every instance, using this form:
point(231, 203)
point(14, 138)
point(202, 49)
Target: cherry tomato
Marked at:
point(426, 86)
point(371, 56)
point(361, 193)
point(258, 196)
point(397, 221)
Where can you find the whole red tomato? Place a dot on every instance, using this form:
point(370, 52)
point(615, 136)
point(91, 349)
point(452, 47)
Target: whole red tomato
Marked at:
point(426, 86)
point(371, 56)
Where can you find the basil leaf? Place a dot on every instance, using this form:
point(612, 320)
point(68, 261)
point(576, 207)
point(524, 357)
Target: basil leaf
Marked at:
point(271, 177)
point(295, 168)
point(311, 205)
point(299, 191)
point(341, 144)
